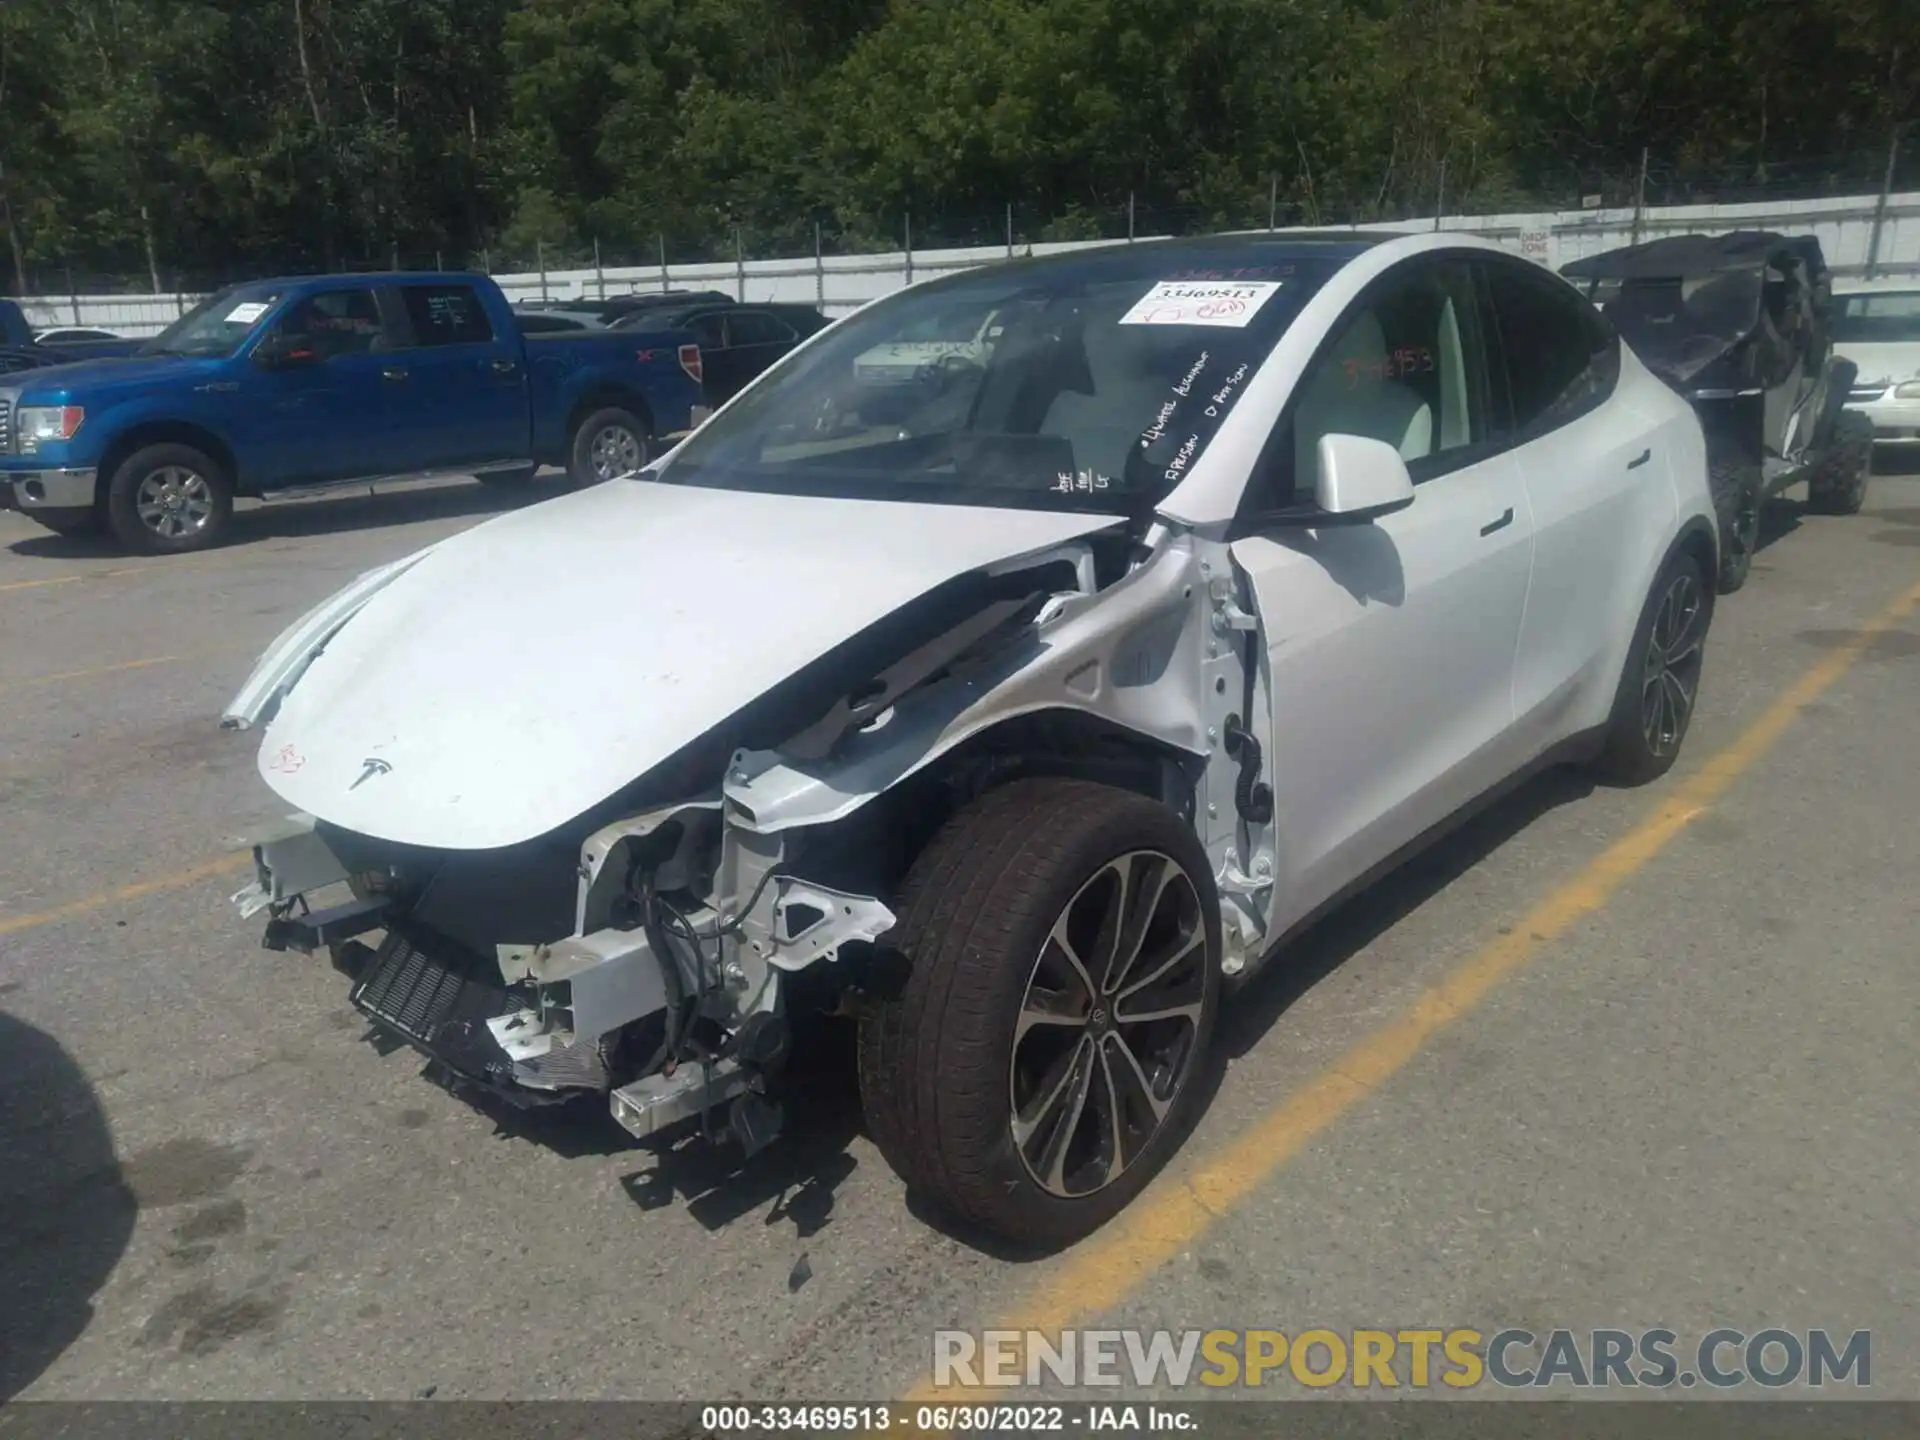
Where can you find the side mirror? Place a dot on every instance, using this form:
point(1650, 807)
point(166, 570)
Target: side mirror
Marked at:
point(1361, 479)
point(282, 352)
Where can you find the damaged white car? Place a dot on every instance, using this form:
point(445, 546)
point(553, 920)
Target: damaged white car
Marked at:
point(1016, 723)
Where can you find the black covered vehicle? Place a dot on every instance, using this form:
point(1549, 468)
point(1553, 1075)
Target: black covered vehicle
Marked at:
point(738, 341)
point(1739, 324)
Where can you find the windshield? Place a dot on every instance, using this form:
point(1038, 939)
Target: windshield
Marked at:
point(215, 328)
point(1095, 382)
point(1889, 316)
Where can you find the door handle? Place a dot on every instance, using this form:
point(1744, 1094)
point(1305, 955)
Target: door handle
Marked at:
point(1639, 460)
point(1500, 524)
point(502, 366)
point(393, 372)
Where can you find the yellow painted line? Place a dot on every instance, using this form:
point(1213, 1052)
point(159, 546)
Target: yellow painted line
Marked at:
point(1104, 1270)
point(178, 880)
point(36, 584)
point(91, 671)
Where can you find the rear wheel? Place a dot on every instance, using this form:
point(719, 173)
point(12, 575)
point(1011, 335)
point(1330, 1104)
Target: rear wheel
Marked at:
point(1037, 1053)
point(1654, 704)
point(168, 499)
point(1735, 483)
point(1839, 486)
point(608, 444)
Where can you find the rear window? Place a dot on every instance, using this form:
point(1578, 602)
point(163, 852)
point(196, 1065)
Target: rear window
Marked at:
point(446, 315)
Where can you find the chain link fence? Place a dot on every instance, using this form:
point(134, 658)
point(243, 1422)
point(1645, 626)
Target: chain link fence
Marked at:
point(1866, 200)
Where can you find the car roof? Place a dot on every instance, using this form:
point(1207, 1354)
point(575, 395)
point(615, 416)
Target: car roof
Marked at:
point(1695, 255)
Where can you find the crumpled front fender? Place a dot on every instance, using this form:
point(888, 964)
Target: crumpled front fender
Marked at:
point(280, 668)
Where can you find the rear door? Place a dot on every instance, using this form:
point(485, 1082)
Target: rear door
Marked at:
point(1592, 472)
point(1390, 645)
point(755, 340)
point(457, 389)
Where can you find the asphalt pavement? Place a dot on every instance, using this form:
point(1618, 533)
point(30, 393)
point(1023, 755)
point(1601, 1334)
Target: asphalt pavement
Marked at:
point(1668, 1079)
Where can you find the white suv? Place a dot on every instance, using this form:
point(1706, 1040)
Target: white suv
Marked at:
point(1015, 723)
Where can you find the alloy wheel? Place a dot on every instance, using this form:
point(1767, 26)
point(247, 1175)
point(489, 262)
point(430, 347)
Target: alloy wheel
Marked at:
point(1675, 647)
point(616, 451)
point(174, 501)
point(1108, 1025)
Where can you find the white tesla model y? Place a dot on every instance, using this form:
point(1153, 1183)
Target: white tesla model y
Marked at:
point(1012, 703)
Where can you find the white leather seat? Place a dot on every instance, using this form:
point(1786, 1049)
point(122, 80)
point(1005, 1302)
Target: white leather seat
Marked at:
point(1348, 394)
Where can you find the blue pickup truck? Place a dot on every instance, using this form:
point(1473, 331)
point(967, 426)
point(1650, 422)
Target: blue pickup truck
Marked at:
point(287, 384)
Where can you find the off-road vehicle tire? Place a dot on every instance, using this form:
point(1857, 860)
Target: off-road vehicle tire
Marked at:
point(1735, 484)
point(945, 1057)
point(1668, 650)
point(169, 499)
point(1839, 486)
point(604, 435)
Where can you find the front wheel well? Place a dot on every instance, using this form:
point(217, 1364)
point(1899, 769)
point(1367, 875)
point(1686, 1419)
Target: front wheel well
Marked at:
point(870, 850)
point(168, 432)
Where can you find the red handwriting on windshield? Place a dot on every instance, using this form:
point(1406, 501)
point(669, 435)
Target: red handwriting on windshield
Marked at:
point(1407, 360)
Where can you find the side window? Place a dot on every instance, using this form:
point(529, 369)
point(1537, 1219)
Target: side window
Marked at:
point(709, 332)
point(446, 315)
point(1560, 358)
point(1406, 365)
point(338, 322)
point(756, 327)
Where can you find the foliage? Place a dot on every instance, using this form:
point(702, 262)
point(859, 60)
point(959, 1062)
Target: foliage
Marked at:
point(185, 141)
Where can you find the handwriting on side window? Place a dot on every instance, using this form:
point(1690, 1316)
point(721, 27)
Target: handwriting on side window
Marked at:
point(1408, 360)
point(1084, 481)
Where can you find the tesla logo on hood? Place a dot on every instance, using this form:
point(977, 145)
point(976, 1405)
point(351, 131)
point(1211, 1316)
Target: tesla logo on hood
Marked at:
point(368, 769)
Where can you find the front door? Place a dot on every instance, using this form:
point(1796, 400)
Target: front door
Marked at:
point(318, 420)
point(1390, 645)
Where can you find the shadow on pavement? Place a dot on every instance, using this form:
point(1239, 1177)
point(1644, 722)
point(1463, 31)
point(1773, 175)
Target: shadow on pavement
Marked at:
point(1318, 951)
point(349, 508)
point(68, 1209)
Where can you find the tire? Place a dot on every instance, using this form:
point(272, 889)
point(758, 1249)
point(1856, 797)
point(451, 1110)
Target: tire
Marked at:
point(72, 520)
point(1735, 483)
point(1839, 486)
point(598, 452)
point(169, 499)
point(944, 1064)
point(1668, 650)
point(508, 479)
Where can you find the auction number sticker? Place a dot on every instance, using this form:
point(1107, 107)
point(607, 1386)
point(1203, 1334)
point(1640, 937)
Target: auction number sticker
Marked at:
point(1200, 302)
point(246, 314)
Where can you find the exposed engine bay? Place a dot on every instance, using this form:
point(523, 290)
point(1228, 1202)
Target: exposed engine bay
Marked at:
point(654, 950)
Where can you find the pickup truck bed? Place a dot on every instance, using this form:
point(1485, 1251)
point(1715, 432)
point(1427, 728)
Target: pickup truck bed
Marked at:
point(290, 384)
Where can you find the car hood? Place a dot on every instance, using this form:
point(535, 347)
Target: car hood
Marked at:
point(1882, 362)
point(94, 376)
point(507, 680)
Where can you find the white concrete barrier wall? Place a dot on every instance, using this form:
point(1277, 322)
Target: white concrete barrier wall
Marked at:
point(840, 283)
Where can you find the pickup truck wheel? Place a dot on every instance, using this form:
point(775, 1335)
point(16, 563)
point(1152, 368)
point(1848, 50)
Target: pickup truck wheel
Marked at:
point(168, 499)
point(1654, 704)
point(1839, 486)
point(67, 519)
point(608, 444)
point(1735, 485)
point(1042, 1018)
